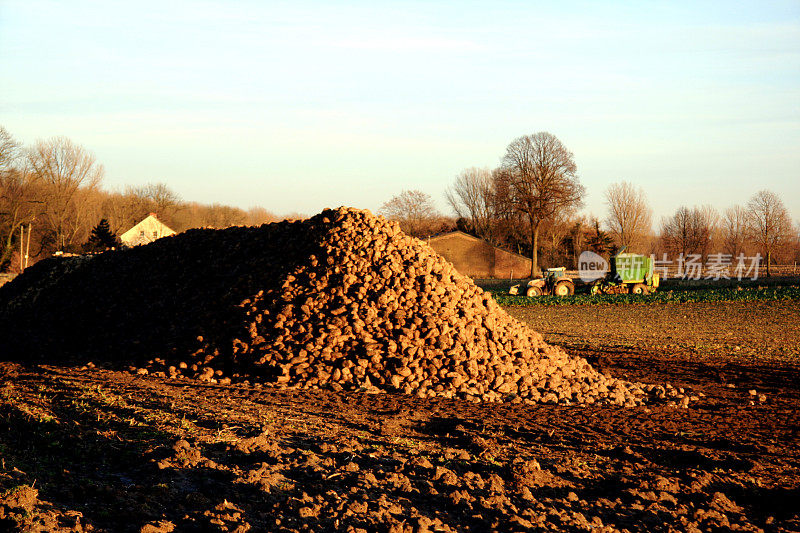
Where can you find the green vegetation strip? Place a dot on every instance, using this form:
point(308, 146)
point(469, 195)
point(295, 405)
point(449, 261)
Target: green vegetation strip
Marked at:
point(704, 295)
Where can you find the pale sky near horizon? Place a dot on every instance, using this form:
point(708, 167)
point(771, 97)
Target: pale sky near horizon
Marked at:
point(296, 106)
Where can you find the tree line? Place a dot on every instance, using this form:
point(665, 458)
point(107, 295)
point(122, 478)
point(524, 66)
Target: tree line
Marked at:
point(530, 204)
point(52, 199)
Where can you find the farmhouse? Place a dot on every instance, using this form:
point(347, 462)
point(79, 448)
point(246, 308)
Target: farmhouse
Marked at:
point(477, 258)
point(146, 231)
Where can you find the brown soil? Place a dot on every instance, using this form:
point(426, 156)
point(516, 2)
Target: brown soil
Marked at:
point(763, 332)
point(743, 344)
point(94, 449)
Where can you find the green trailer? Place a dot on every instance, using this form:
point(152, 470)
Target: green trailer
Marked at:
point(628, 274)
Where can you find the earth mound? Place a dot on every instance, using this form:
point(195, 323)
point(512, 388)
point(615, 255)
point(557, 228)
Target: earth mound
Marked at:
point(343, 300)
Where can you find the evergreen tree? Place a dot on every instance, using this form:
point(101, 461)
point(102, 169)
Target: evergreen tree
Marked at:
point(102, 238)
point(463, 224)
point(599, 241)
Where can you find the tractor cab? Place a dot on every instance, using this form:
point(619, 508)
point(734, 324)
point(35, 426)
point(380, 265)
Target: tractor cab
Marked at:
point(555, 273)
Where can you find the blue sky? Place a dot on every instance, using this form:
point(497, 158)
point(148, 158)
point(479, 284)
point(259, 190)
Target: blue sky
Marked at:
point(296, 106)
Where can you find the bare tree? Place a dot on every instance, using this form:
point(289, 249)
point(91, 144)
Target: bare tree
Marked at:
point(164, 199)
point(190, 215)
point(17, 195)
point(223, 216)
point(576, 237)
point(555, 230)
point(155, 198)
point(541, 179)
point(9, 150)
point(690, 231)
point(87, 210)
point(471, 197)
point(414, 210)
point(293, 216)
point(507, 226)
point(769, 223)
point(707, 226)
point(258, 215)
point(796, 245)
point(629, 215)
point(677, 233)
point(63, 167)
point(121, 211)
point(734, 226)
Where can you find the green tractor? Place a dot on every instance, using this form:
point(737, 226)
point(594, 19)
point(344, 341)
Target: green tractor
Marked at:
point(555, 281)
point(629, 274)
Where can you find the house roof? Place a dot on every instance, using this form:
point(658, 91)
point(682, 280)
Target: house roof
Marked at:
point(147, 224)
point(460, 233)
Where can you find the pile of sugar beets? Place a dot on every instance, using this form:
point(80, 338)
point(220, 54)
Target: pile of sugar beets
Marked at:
point(343, 300)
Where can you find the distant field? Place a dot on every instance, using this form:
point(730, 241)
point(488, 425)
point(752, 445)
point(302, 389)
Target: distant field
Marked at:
point(754, 332)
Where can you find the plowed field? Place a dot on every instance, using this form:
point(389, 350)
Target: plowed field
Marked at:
point(95, 449)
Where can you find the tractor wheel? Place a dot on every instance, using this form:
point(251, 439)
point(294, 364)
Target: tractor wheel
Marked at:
point(564, 289)
point(639, 289)
point(533, 292)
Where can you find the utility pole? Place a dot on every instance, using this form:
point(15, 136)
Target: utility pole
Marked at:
point(24, 247)
point(28, 245)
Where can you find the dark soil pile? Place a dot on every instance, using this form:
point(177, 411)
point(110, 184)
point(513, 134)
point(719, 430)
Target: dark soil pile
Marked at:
point(341, 300)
